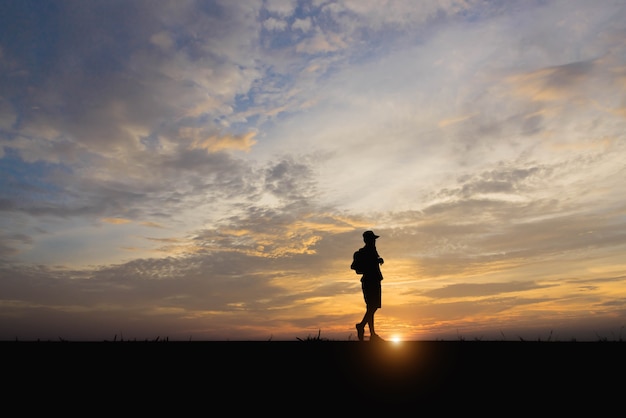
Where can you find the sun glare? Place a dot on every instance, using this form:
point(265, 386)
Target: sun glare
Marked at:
point(396, 339)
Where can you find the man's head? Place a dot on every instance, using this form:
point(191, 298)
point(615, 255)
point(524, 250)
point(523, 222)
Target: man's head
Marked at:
point(369, 236)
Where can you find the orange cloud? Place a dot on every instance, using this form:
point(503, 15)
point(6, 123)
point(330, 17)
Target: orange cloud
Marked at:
point(116, 221)
point(553, 83)
point(215, 143)
point(447, 122)
point(152, 225)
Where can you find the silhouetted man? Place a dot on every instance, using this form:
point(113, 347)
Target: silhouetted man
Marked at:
point(370, 283)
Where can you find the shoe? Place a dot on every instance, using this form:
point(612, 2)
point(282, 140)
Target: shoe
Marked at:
point(360, 331)
point(375, 338)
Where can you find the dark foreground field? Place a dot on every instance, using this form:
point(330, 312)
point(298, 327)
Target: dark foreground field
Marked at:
point(303, 378)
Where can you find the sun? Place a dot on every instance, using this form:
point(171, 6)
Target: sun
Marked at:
point(396, 339)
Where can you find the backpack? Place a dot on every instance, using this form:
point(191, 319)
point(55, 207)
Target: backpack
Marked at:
point(358, 262)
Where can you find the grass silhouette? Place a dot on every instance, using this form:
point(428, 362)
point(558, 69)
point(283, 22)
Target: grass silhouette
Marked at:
point(316, 338)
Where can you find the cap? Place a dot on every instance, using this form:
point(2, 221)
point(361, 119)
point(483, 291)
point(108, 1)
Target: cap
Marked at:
point(370, 234)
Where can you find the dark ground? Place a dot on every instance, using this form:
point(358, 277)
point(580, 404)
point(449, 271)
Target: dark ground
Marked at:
point(315, 377)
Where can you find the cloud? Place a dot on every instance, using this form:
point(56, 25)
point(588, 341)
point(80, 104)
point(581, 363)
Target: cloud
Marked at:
point(274, 24)
point(284, 8)
point(163, 40)
point(110, 107)
point(216, 144)
point(446, 122)
point(322, 42)
point(116, 221)
point(303, 25)
point(465, 290)
point(556, 83)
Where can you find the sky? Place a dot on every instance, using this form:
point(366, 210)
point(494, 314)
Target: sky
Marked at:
point(204, 170)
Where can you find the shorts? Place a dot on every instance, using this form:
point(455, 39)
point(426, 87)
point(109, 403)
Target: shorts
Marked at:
point(372, 294)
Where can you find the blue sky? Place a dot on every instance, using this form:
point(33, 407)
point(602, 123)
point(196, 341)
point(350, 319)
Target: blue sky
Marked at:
point(205, 169)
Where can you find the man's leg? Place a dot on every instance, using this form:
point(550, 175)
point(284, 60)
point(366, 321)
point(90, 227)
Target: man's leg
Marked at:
point(370, 319)
point(360, 329)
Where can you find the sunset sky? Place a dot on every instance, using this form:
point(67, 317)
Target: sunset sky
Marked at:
point(204, 170)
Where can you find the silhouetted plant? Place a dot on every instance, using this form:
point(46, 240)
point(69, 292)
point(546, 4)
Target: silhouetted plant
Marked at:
point(315, 339)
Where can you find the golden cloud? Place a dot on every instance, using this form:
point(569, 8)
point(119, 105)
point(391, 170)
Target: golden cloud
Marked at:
point(152, 225)
point(447, 122)
point(116, 221)
point(216, 143)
